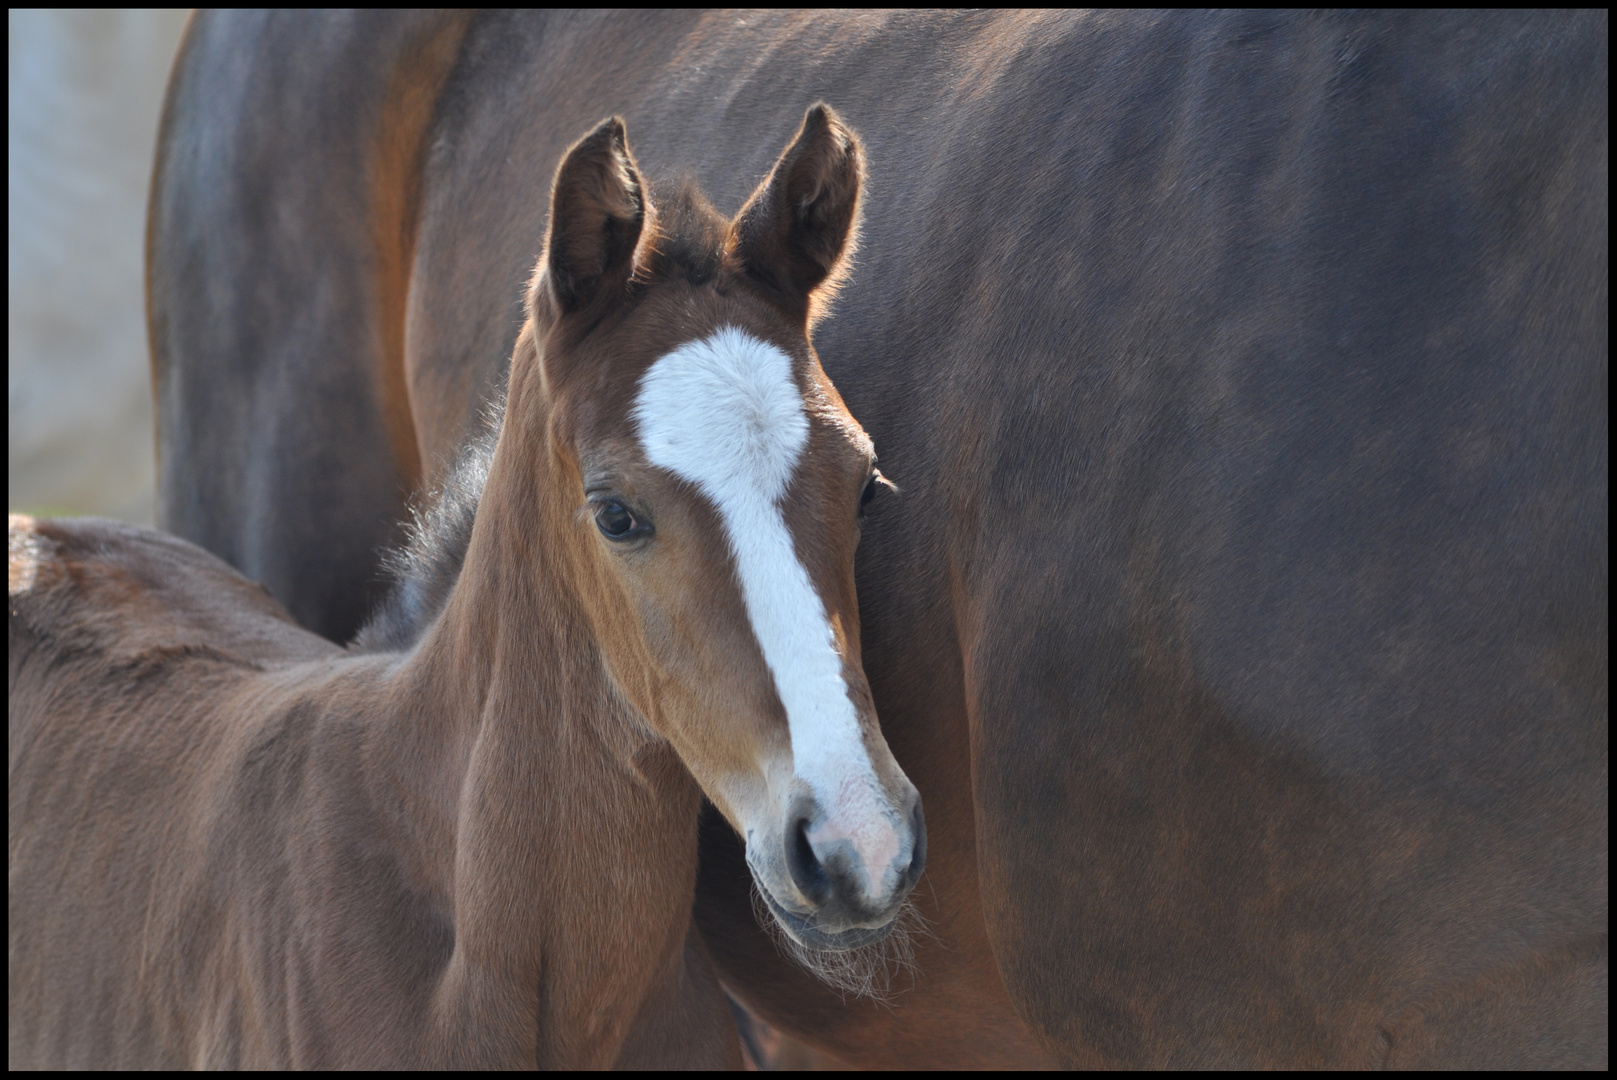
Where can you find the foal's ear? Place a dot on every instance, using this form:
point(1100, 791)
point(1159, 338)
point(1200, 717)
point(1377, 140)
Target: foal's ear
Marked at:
point(796, 234)
point(597, 209)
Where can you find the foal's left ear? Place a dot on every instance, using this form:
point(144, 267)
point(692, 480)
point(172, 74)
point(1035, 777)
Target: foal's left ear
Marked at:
point(796, 234)
point(597, 209)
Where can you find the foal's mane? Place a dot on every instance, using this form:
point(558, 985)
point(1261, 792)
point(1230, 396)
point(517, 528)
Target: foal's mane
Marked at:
point(685, 240)
point(425, 568)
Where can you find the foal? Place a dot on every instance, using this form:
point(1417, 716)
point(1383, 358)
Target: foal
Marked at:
point(234, 844)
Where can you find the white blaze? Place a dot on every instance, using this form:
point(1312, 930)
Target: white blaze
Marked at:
point(724, 414)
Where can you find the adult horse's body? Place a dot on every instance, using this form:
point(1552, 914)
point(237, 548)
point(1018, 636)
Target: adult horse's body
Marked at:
point(1243, 619)
point(472, 841)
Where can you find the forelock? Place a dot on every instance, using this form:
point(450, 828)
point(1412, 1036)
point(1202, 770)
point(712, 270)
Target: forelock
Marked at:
point(688, 243)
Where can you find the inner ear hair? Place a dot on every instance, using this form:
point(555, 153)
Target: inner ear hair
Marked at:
point(797, 233)
point(598, 208)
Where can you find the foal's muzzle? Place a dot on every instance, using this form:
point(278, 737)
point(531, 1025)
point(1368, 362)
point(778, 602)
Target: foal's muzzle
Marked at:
point(848, 888)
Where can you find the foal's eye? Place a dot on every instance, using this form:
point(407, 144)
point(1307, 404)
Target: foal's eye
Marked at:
point(616, 522)
point(870, 491)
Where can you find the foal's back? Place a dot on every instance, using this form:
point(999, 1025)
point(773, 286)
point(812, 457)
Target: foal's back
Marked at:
point(131, 661)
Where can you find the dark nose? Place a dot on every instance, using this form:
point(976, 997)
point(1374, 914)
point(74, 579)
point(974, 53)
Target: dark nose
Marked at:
point(917, 865)
point(808, 874)
point(832, 876)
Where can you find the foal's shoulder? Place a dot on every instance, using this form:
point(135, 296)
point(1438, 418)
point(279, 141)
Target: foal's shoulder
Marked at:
point(91, 586)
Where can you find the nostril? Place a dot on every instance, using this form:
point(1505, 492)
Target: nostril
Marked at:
point(918, 853)
point(804, 866)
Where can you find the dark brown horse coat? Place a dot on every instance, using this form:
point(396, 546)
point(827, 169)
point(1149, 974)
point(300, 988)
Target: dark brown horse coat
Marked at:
point(1243, 621)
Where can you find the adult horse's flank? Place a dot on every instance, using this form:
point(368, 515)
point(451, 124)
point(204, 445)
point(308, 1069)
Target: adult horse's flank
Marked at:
point(1243, 620)
point(472, 840)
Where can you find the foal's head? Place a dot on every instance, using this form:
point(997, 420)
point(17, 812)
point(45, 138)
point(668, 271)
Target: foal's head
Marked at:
point(716, 481)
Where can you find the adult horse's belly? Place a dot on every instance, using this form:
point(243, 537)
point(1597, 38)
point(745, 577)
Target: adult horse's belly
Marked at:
point(1242, 619)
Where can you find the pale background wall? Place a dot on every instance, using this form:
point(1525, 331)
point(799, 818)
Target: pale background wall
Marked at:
point(85, 91)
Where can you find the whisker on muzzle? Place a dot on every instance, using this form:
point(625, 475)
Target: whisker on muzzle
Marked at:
point(869, 972)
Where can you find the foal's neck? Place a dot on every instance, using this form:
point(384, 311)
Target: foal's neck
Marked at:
point(560, 830)
point(514, 649)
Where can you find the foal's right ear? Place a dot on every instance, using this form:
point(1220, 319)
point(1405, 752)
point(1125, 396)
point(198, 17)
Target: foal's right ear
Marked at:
point(597, 210)
point(796, 233)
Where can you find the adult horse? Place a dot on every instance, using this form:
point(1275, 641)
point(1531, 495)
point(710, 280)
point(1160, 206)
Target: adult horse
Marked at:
point(473, 840)
point(1243, 617)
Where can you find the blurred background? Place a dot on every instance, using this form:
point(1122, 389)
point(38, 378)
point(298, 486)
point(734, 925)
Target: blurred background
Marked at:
point(86, 88)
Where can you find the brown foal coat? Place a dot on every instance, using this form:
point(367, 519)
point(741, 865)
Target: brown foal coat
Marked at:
point(233, 843)
point(1243, 618)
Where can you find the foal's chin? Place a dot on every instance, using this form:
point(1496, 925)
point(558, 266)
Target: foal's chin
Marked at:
point(803, 933)
point(859, 962)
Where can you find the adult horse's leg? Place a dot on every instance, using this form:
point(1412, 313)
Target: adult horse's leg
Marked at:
point(285, 437)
